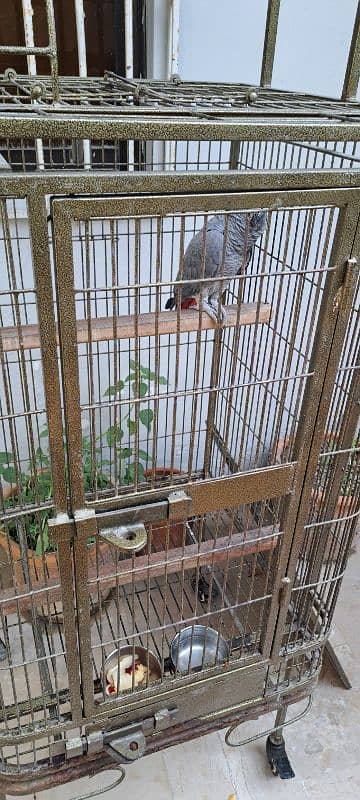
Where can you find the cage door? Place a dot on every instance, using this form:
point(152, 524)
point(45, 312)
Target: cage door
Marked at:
point(188, 435)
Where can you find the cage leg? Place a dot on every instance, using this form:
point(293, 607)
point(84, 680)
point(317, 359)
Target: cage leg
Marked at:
point(275, 748)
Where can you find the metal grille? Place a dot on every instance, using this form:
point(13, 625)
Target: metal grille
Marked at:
point(334, 507)
point(125, 270)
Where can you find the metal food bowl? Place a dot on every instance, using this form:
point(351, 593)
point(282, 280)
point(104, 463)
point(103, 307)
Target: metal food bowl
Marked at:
point(196, 647)
point(146, 657)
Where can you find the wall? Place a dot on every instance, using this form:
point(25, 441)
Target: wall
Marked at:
point(222, 41)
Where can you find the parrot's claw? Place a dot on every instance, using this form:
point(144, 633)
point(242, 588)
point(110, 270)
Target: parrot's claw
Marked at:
point(217, 313)
point(209, 309)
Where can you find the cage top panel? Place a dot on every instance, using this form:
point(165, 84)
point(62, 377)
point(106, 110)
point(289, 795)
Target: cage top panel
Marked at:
point(174, 98)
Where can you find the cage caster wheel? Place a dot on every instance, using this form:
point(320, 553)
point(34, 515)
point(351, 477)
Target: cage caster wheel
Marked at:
point(203, 589)
point(278, 759)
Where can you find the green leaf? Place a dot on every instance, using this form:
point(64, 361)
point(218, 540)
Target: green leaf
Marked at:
point(146, 416)
point(109, 391)
point(44, 433)
point(6, 458)
point(131, 425)
point(42, 543)
point(126, 452)
point(9, 474)
point(117, 387)
point(111, 434)
point(144, 455)
point(147, 373)
point(130, 472)
point(141, 472)
point(143, 388)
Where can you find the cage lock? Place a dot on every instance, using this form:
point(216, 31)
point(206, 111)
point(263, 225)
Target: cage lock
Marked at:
point(127, 743)
point(125, 528)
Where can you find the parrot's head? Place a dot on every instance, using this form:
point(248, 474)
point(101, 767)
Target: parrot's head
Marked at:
point(188, 302)
point(258, 222)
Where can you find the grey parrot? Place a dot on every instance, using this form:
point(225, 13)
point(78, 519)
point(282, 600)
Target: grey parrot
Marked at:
point(243, 230)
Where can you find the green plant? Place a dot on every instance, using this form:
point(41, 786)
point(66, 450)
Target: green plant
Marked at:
point(36, 480)
point(128, 466)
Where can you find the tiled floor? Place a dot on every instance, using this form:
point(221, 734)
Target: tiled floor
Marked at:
point(324, 747)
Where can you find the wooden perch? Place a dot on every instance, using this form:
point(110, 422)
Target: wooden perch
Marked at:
point(101, 329)
point(145, 567)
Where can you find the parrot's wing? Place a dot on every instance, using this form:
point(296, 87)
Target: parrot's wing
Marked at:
point(193, 265)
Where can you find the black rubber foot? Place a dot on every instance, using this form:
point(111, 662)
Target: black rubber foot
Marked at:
point(278, 760)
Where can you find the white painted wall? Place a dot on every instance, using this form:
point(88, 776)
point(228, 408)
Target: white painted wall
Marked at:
point(222, 41)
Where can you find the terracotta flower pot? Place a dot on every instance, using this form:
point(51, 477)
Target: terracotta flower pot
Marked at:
point(344, 504)
point(43, 568)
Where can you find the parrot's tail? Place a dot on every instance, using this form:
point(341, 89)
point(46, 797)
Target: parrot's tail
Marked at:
point(170, 303)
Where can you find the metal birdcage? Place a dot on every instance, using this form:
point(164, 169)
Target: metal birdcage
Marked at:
point(162, 472)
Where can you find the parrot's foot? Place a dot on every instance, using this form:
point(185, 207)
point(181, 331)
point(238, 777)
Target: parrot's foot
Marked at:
point(215, 311)
point(211, 307)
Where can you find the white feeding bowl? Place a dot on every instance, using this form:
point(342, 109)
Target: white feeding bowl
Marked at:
point(130, 668)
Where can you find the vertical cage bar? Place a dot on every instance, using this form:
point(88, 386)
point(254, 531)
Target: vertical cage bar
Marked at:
point(272, 19)
point(129, 64)
point(53, 47)
point(47, 327)
point(351, 80)
point(69, 353)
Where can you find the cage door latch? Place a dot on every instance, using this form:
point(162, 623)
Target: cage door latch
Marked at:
point(127, 538)
point(179, 505)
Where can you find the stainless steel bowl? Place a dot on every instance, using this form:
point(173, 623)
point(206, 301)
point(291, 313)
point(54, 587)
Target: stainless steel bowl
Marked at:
point(196, 647)
point(145, 657)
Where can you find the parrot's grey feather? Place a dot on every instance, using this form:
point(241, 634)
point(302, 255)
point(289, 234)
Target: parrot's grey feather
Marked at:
point(240, 231)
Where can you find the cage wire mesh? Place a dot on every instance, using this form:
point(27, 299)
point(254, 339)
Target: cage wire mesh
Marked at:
point(151, 401)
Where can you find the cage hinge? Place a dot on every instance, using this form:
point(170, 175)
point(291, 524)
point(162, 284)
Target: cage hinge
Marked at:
point(349, 265)
point(61, 528)
point(284, 591)
point(164, 718)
